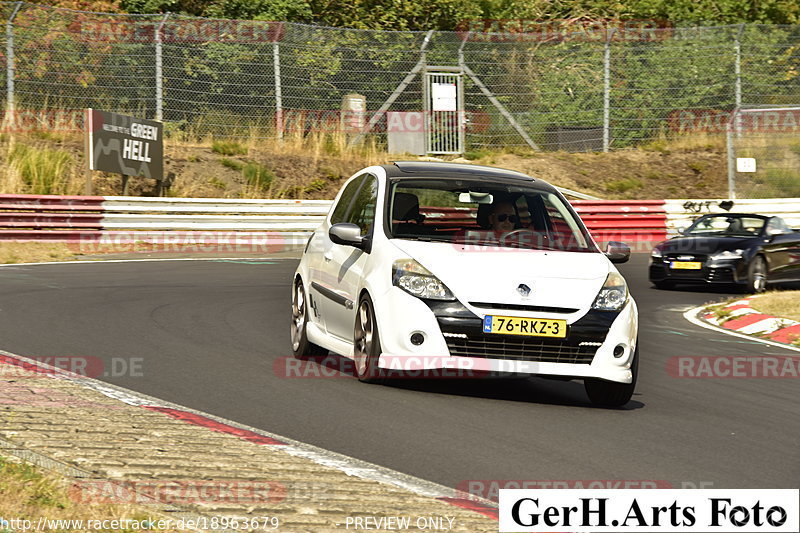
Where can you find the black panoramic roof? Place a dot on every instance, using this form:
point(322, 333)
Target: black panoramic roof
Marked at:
point(431, 169)
point(735, 215)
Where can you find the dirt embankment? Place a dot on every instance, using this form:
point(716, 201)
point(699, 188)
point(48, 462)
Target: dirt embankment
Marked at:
point(269, 170)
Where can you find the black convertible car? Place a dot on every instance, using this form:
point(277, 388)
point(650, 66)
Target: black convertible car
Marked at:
point(744, 249)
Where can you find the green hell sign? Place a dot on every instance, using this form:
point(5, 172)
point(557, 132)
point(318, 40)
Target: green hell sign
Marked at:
point(125, 145)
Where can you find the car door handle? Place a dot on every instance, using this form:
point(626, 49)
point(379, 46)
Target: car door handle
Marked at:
point(327, 257)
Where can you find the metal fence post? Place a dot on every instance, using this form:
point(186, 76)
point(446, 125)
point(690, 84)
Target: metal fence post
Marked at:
point(276, 60)
point(731, 156)
point(737, 68)
point(607, 91)
point(9, 117)
point(737, 46)
point(160, 71)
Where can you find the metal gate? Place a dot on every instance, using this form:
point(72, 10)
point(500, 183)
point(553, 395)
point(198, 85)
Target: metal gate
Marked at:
point(444, 110)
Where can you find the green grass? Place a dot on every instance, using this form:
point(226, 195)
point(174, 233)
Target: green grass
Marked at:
point(258, 175)
point(317, 185)
point(42, 170)
point(624, 185)
point(228, 148)
point(231, 164)
point(472, 155)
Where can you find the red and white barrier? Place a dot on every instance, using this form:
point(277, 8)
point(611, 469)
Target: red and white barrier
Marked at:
point(123, 219)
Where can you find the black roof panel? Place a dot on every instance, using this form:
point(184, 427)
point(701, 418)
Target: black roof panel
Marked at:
point(433, 169)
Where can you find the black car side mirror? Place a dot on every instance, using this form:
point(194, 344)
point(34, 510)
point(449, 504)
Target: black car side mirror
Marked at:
point(347, 234)
point(618, 252)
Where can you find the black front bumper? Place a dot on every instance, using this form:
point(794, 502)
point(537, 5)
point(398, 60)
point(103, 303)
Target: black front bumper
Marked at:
point(722, 272)
point(463, 332)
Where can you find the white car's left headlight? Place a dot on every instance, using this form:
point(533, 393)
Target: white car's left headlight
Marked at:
point(728, 254)
point(613, 294)
point(418, 281)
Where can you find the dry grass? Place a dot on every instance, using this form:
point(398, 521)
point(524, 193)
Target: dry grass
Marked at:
point(314, 165)
point(30, 494)
point(784, 304)
point(35, 252)
point(700, 141)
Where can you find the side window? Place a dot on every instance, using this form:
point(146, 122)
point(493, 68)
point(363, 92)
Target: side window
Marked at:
point(346, 200)
point(363, 212)
point(777, 225)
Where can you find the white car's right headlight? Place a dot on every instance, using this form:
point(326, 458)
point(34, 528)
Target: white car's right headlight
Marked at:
point(418, 281)
point(613, 294)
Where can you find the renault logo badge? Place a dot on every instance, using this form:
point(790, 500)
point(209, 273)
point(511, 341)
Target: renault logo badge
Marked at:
point(523, 290)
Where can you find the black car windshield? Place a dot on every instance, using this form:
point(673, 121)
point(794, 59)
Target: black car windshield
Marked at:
point(727, 226)
point(473, 212)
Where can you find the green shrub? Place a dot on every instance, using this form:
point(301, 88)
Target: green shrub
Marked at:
point(42, 170)
point(624, 185)
point(228, 148)
point(258, 175)
point(231, 164)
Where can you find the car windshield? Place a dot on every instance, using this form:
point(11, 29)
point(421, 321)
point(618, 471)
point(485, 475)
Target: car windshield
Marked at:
point(473, 213)
point(727, 226)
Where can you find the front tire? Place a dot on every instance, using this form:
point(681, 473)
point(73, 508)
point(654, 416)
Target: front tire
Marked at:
point(367, 343)
point(301, 346)
point(611, 393)
point(756, 275)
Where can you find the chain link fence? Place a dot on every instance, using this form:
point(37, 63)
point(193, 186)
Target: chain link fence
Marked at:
point(764, 153)
point(252, 79)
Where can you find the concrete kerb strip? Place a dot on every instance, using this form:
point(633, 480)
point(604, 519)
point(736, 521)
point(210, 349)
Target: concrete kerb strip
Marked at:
point(374, 482)
point(741, 320)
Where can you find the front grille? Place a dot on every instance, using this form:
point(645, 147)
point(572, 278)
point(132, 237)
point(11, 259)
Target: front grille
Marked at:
point(724, 275)
point(518, 307)
point(520, 348)
point(694, 257)
point(681, 273)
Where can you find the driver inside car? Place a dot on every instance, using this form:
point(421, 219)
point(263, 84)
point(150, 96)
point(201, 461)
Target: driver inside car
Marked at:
point(503, 218)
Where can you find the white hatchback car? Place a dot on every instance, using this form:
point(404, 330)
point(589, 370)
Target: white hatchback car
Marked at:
point(424, 265)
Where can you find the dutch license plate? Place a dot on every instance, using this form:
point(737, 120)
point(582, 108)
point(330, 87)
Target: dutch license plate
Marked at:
point(533, 327)
point(686, 265)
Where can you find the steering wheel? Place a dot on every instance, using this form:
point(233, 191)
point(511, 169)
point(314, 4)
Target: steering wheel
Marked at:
point(526, 238)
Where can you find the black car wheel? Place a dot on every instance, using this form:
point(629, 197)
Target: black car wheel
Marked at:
point(367, 343)
point(757, 275)
point(610, 393)
point(301, 346)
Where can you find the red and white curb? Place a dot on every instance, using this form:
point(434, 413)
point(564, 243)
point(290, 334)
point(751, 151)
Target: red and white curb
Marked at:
point(740, 319)
point(343, 463)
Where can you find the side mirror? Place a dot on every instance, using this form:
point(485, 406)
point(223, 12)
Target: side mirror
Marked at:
point(618, 252)
point(347, 234)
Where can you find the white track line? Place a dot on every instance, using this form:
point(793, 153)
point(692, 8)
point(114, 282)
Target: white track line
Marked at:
point(691, 316)
point(349, 465)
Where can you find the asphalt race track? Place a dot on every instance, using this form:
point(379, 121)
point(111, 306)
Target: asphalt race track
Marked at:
point(206, 334)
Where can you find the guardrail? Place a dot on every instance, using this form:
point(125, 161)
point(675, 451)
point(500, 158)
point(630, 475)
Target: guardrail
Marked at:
point(122, 219)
